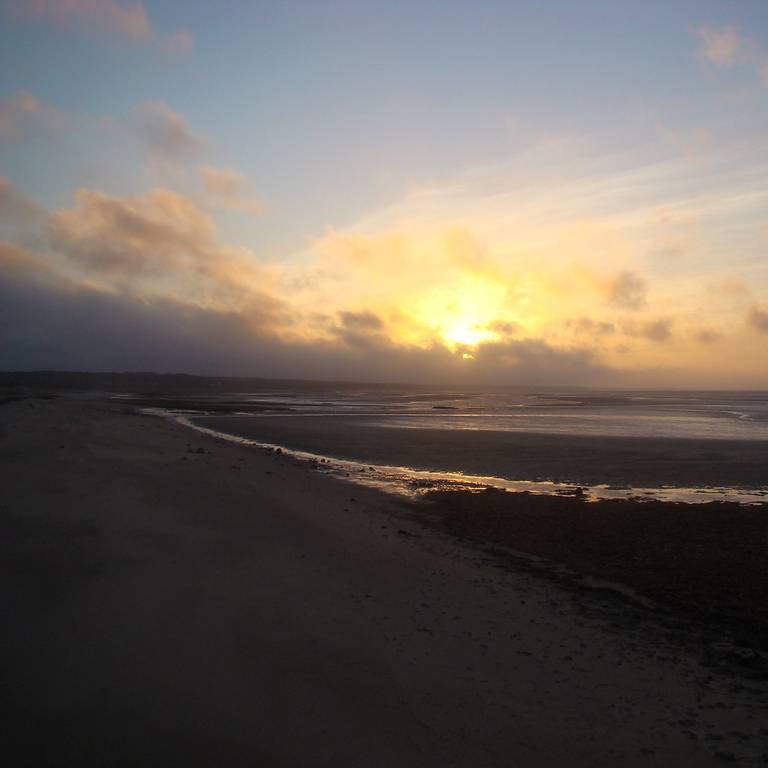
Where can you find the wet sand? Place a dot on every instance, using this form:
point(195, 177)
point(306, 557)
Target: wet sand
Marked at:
point(705, 562)
point(171, 599)
point(641, 462)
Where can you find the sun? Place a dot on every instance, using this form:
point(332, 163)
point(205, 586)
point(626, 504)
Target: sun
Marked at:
point(466, 333)
point(463, 315)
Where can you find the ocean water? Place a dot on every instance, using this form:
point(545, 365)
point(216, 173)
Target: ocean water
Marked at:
point(696, 415)
point(687, 446)
point(700, 415)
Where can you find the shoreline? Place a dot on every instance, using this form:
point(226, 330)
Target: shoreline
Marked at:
point(565, 460)
point(412, 482)
point(178, 599)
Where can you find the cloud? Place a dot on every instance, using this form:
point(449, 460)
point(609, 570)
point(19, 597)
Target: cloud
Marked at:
point(161, 245)
point(15, 114)
point(140, 311)
point(179, 42)
point(589, 327)
point(510, 244)
point(706, 336)
point(692, 143)
point(46, 320)
point(49, 321)
point(127, 21)
point(727, 47)
point(167, 136)
point(626, 291)
point(757, 318)
point(144, 283)
point(658, 330)
point(366, 321)
point(505, 329)
point(359, 329)
point(20, 217)
point(536, 360)
point(479, 282)
point(729, 286)
point(425, 286)
point(21, 261)
point(155, 233)
point(723, 46)
point(15, 207)
point(229, 189)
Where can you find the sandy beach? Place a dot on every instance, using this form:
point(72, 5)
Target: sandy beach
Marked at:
point(172, 599)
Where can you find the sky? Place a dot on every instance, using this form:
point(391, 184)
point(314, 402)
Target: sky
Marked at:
point(522, 192)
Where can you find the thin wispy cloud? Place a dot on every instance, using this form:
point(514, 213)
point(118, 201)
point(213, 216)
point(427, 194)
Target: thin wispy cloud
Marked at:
point(727, 47)
point(167, 136)
point(757, 318)
point(129, 21)
point(658, 330)
point(627, 290)
point(706, 336)
point(723, 46)
point(16, 207)
point(227, 188)
point(16, 113)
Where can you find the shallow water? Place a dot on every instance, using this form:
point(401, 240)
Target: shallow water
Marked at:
point(413, 482)
point(671, 414)
point(676, 446)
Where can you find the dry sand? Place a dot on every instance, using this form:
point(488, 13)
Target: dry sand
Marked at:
point(170, 599)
